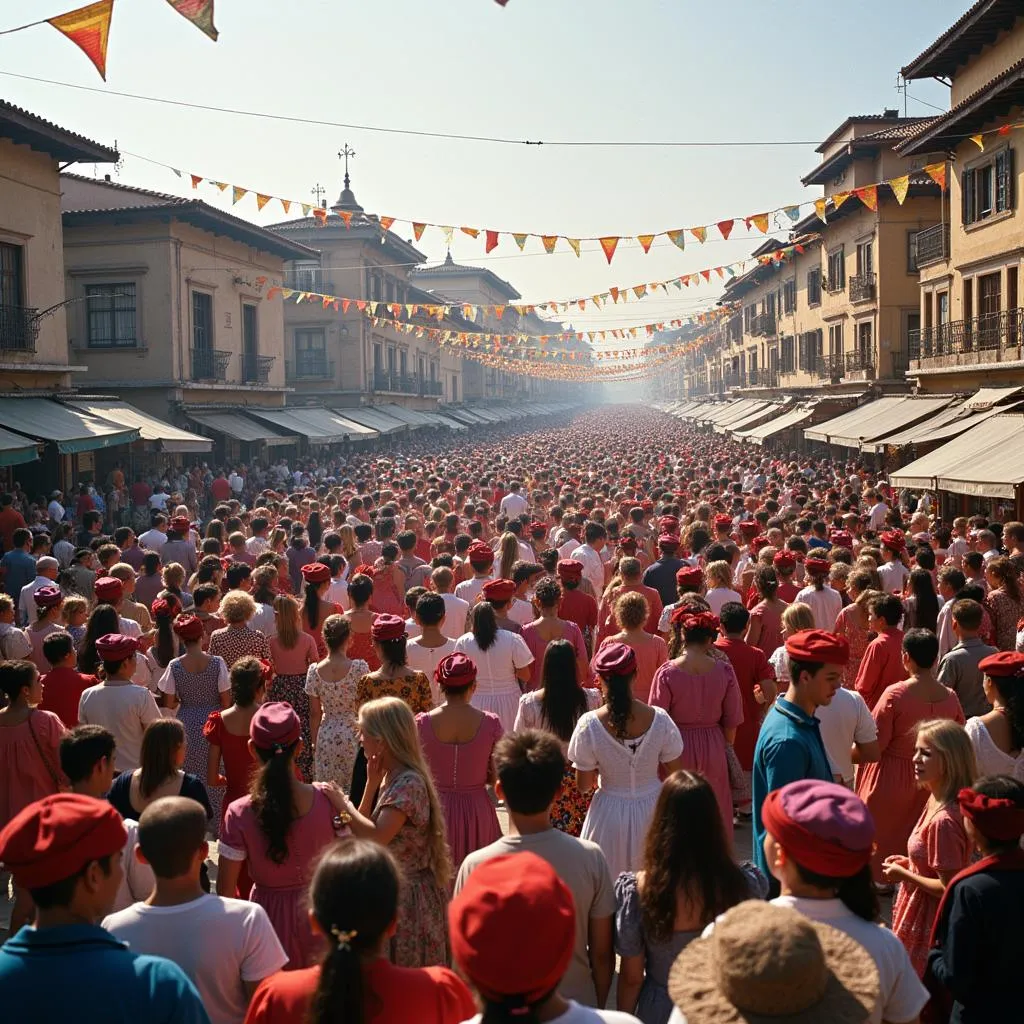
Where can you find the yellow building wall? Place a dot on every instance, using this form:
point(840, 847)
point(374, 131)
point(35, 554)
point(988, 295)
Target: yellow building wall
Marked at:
point(1007, 50)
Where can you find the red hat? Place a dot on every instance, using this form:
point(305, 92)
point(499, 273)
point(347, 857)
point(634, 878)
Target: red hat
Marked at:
point(818, 645)
point(48, 597)
point(995, 818)
point(116, 647)
point(689, 619)
point(893, 540)
point(518, 902)
point(1003, 665)
point(615, 659)
point(723, 522)
point(669, 524)
point(668, 541)
point(364, 570)
point(165, 607)
point(480, 553)
point(758, 542)
point(784, 560)
point(647, 505)
point(54, 838)
point(387, 627)
point(275, 726)
point(824, 827)
point(180, 524)
point(816, 565)
point(108, 590)
point(455, 672)
point(569, 569)
point(316, 573)
point(627, 542)
point(189, 627)
point(538, 529)
point(749, 527)
point(689, 576)
point(499, 591)
point(842, 539)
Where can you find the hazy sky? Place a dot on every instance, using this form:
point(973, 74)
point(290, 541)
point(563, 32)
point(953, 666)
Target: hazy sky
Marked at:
point(573, 70)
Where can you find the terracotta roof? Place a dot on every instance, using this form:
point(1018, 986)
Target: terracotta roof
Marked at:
point(26, 128)
point(894, 132)
point(863, 145)
point(885, 116)
point(450, 268)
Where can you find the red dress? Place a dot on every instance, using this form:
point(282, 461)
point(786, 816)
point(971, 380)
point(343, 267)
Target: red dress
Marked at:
point(858, 637)
point(386, 599)
point(881, 666)
point(582, 609)
point(361, 646)
point(770, 639)
point(750, 666)
point(608, 625)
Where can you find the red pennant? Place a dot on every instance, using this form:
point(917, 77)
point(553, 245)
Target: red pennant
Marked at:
point(725, 226)
point(492, 241)
point(196, 179)
point(609, 245)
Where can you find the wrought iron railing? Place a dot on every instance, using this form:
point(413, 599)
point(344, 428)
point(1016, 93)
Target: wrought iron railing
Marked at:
point(862, 287)
point(859, 361)
point(308, 279)
point(764, 325)
point(932, 245)
point(401, 383)
point(256, 369)
point(959, 337)
point(210, 364)
point(19, 328)
point(830, 367)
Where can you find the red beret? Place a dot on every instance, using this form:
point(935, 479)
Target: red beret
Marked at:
point(108, 590)
point(316, 573)
point(894, 540)
point(627, 542)
point(116, 647)
point(816, 565)
point(723, 522)
point(1003, 665)
point(689, 619)
point(499, 591)
point(998, 819)
point(842, 539)
point(615, 659)
point(689, 576)
point(647, 505)
point(180, 524)
point(275, 726)
point(818, 645)
point(363, 570)
point(189, 627)
point(480, 553)
point(670, 524)
point(516, 901)
point(455, 671)
point(538, 529)
point(48, 597)
point(758, 542)
point(165, 607)
point(784, 560)
point(569, 569)
point(54, 838)
point(668, 541)
point(387, 627)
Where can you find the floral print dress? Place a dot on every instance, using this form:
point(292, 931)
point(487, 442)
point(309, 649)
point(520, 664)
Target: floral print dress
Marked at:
point(337, 741)
point(412, 687)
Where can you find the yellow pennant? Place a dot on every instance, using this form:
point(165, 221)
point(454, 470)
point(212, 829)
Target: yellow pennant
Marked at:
point(978, 141)
point(760, 221)
point(261, 200)
point(574, 244)
point(937, 172)
point(520, 240)
point(819, 208)
point(472, 232)
point(701, 234)
point(645, 242)
point(287, 204)
point(839, 198)
point(900, 187)
point(237, 192)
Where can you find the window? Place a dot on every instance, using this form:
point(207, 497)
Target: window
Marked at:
point(311, 353)
point(433, 371)
point(202, 321)
point(17, 326)
point(250, 336)
point(787, 356)
point(455, 387)
point(814, 287)
point(789, 296)
point(989, 295)
point(942, 308)
point(912, 252)
point(420, 367)
point(375, 288)
point(110, 312)
point(12, 276)
point(987, 188)
point(835, 340)
point(749, 312)
point(864, 341)
point(810, 350)
point(865, 259)
point(403, 362)
point(837, 270)
point(305, 276)
point(376, 357)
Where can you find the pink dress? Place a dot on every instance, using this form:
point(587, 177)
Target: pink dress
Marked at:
point(280, 889)
point(888, 786)
point(857, 636)
point(460, 773)
point(770, 639)
point(702, 706)
point(25, 776)
point(538, 645)
point(650, 656)
point(938, 846)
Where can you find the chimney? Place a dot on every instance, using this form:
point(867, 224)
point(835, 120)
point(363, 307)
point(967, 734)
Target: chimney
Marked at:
point(890, 113)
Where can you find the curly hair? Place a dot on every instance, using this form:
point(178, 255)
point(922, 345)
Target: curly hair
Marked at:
point(237, 607)
point(631, 610)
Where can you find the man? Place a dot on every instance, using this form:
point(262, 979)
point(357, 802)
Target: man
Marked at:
point(156, 536)
point(65, 850)
point(661, 573)
point(524, 576)
point(226, 946)
point(529, 767)
point(589, 553)
point(481, 559)
point(237, 483)
point(46, 576)
point(986, 543)
point(456, 610)
point(92, 527)
point(18, 565)
point(789, 745)
point(258, 542)
point(220, 489)
point(63, 684)
point(177, 547)
point(55, 509)
point(415, 570)
point(513, 505)
point(425, 652)
point(959, 669)
point(877, 511)
point(131, 553)
point(10, 520)
point(15, 644)
point(129, 609)
point(893, 573)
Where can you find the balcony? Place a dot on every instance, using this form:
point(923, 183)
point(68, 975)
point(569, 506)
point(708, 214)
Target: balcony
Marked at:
point(767, 377)
point(396, 383)
point(256, 369)
point(432, 388)
point(963, 342)
point(932, 245)
point(860, 364)
point(830, 368)
point(310, 366)
point(210, 364)
point(862, 287)
point(308, 279)
point(19, 328)
point(763, 325)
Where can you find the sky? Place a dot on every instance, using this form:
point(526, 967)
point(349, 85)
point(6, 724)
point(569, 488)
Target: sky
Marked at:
point(579, 71)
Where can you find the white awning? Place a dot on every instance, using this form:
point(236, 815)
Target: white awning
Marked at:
point(761, 433)
point(986, 397)
point(948, 424)
point(875, 420)
point(316, 424)
point(754, 415)
point(373, 418)
point(232, 423)
point(170, 438)
point(69, 429)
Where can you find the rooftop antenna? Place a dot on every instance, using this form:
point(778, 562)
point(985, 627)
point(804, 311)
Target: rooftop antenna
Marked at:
point(319, 191)
point(901, 87)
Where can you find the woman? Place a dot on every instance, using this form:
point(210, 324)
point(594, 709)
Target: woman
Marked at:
point(331, 688)
point(400, 809)
point(209, 570)
point(277, 831)
point(719, 586)
point(1005, 602)
point(174, 582)
point(389, 583)
point(161, 772)
point(394, 678)
point(48, 601)
point(292, 651)
point(237, 639)
point(349, 548)
point(921, 605)
point(938, 847)
point(824, 602)
point(196, 684)
point(299, 555)
point(507, 556)
point(103, 621)
point(853, 622)
point(548, 627)
point(688, 878)
point(998, 737)
point(457, 741)
point(556, 707)
point(764, 630)
point(702, 696)
point(624, 742)
point(360, 618)
point(353, 906)
point(503, 664)
point(149, 583)
point(315, 610)
point(631, 611)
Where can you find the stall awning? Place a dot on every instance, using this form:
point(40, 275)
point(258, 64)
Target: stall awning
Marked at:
point(69, 429)
point(726, 423)
point(15, 449)
point(234, 424)
point(373, 417)
point(770, 410)
point(416, 419)
point(449, 421)
point(875, 420)
point(491, 415)
point(996, 469)
point(317, 425)
point(761, 433)
point(946, 425)
point(731, 411)
point(170, 438)
point(465, 416)
point(986, 397)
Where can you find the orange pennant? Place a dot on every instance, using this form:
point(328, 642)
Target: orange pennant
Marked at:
point(89, 29)
point(196, 179)
point(417, 230)
point(386, 222)
point(645, 242)
point(614, 293)
point(345, 215)
point(868, 195)
point(287, 205)
point(472, 232)
point(640, 290)
point(321, 215)
point(760, 221)
point(261, 200)
point(725, 226)
point(492, 241)
point(237, 193)
point(937, 172)
point(549, 243)
point(701, 234)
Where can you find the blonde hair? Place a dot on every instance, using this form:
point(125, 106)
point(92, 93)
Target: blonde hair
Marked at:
point(950, 741)
point(121, 571)
point(390, 720)
point(349, 548)
point(286, 614)
point(236, 606)
point(509, 555)
point(631, 610)
point(173, 575)
point(73, 603)
point(798, 616)
point(719, 573)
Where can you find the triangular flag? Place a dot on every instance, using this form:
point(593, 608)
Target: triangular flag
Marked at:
point(978, 141)
point(819, 209)
point(614, 293)
point(792, 212)
point(645, 242)
point(760, 221)
point(839, 198)
point(345, 303)
point(199, 12)
point(499, 311)
point(520, 240)
point(640, 290)
point(287, 205)
point(725, 226)
point(287, 293)
point(88, 28)
point(549, 243)
point(261, 200)
point(472, 232)
point(937, 172)
point(321, 215)
point(345, 215)
point(219, 184)
point(196, 179)
point(677, 237)
point(900, 186)
point(272, 293)
point(706, 274)
point(237, 192)
point(417, 230)
point(574, 244)
point(305, 209)
point(492, 241)
point(386, 222)
point(448, 233)
point(868, 195)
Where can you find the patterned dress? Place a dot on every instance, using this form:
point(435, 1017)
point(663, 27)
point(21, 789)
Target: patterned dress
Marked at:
point(337, 741)
point(848, 624)
point(412, 687)
point(291, 687)
point(234, 642)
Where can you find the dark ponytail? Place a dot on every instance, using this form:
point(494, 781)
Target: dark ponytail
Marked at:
point(618, 698)
point(1011, 693)
point(856, 891)
point(311, 605)
point(272, 802)
point(485, 625)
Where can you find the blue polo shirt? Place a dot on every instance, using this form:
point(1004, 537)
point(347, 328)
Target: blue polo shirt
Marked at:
point(80, 973)
point(789, 748)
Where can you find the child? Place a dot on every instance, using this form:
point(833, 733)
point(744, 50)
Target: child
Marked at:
point(974, 570)
point(206, 600)
point(959, 668)
point(720, 592)
point(796, 618)
point(63, 684)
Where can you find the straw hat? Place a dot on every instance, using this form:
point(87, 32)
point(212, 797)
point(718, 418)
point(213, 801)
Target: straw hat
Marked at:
point(764, 964)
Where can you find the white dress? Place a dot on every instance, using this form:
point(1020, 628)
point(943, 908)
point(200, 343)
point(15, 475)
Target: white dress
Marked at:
point(497, 688)
point(825, 604)
point(991, 760)
point(623, 805)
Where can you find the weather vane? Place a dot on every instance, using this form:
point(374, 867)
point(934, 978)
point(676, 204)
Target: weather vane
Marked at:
point(344, 154)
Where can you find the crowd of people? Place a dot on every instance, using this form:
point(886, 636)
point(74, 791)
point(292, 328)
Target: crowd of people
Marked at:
point(258, 725)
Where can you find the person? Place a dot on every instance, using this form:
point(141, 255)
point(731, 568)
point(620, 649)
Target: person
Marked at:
point(225, 946)
point(688, 879)
point(818, 843)
point(624, 742)
point(976, 941)
point(48, 602)
point(893, 572)
point(1005, 601)
point(353, 900)
point(764, 630)
point(46, 570)
point(456, 610)
point(458, 742)
point(160, 774)
point(394, 677)
point(481, 561)
point(824, 602)
point(890, 787)
point(548, 627)
point(300, 554)
point(503, 664)
point(66, 851)
point(519, 901)
point(588, 555)
point(14, 643)
point(702, 697)
point(789, 745)
point(998, 735)
point(882, 664)
point(719, 586)
point(576, 605)
point(63, 685)
point(848, 731)
point(19, 568)
point(426, 651)
point(631, 614)
point(854, 622)
point(556, 707)
point(661, 573)
point(938, 847)
point(960, 668)
point(331, 688)
point(400, 809)
point(627, 580)
point(315, 609)
point(277, 830)
point(238, 639)
point(360, 618)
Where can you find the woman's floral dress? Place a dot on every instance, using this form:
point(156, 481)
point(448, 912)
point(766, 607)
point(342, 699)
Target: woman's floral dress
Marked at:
point(336, 742)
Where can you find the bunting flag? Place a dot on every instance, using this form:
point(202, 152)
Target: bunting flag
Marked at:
point(978, 141)
point(645, 242)
point(868, 195)
point(237, 193)
point(725, 227)
point(700, 233)
point(261, 200)
point(609, 246)
point(549, 243)
point(491, 244)
point(199, 12)
point(937, 172)
point(900, 187)
point(89, 29)
point(574, 244)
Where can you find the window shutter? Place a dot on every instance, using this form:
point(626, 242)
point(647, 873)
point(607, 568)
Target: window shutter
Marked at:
point(1004, 181)
point(966, 196)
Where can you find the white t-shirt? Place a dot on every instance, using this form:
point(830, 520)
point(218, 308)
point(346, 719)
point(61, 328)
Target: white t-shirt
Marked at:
point(825, 604)
point(123, 709)
point(455, 611)
point(893, 575)
point(152, 540)
point(593, 566)
point(138, 881)
point(166, 684)
point(264, 621)
point(218, 942)
point(469, 591)
point(56, 511)
point(845, 721)
point(878, 514)
point(426, 659)
point(158, 501)
point(719, 596)
point(521, 611)
point(577, 1014)
point(512, 505)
